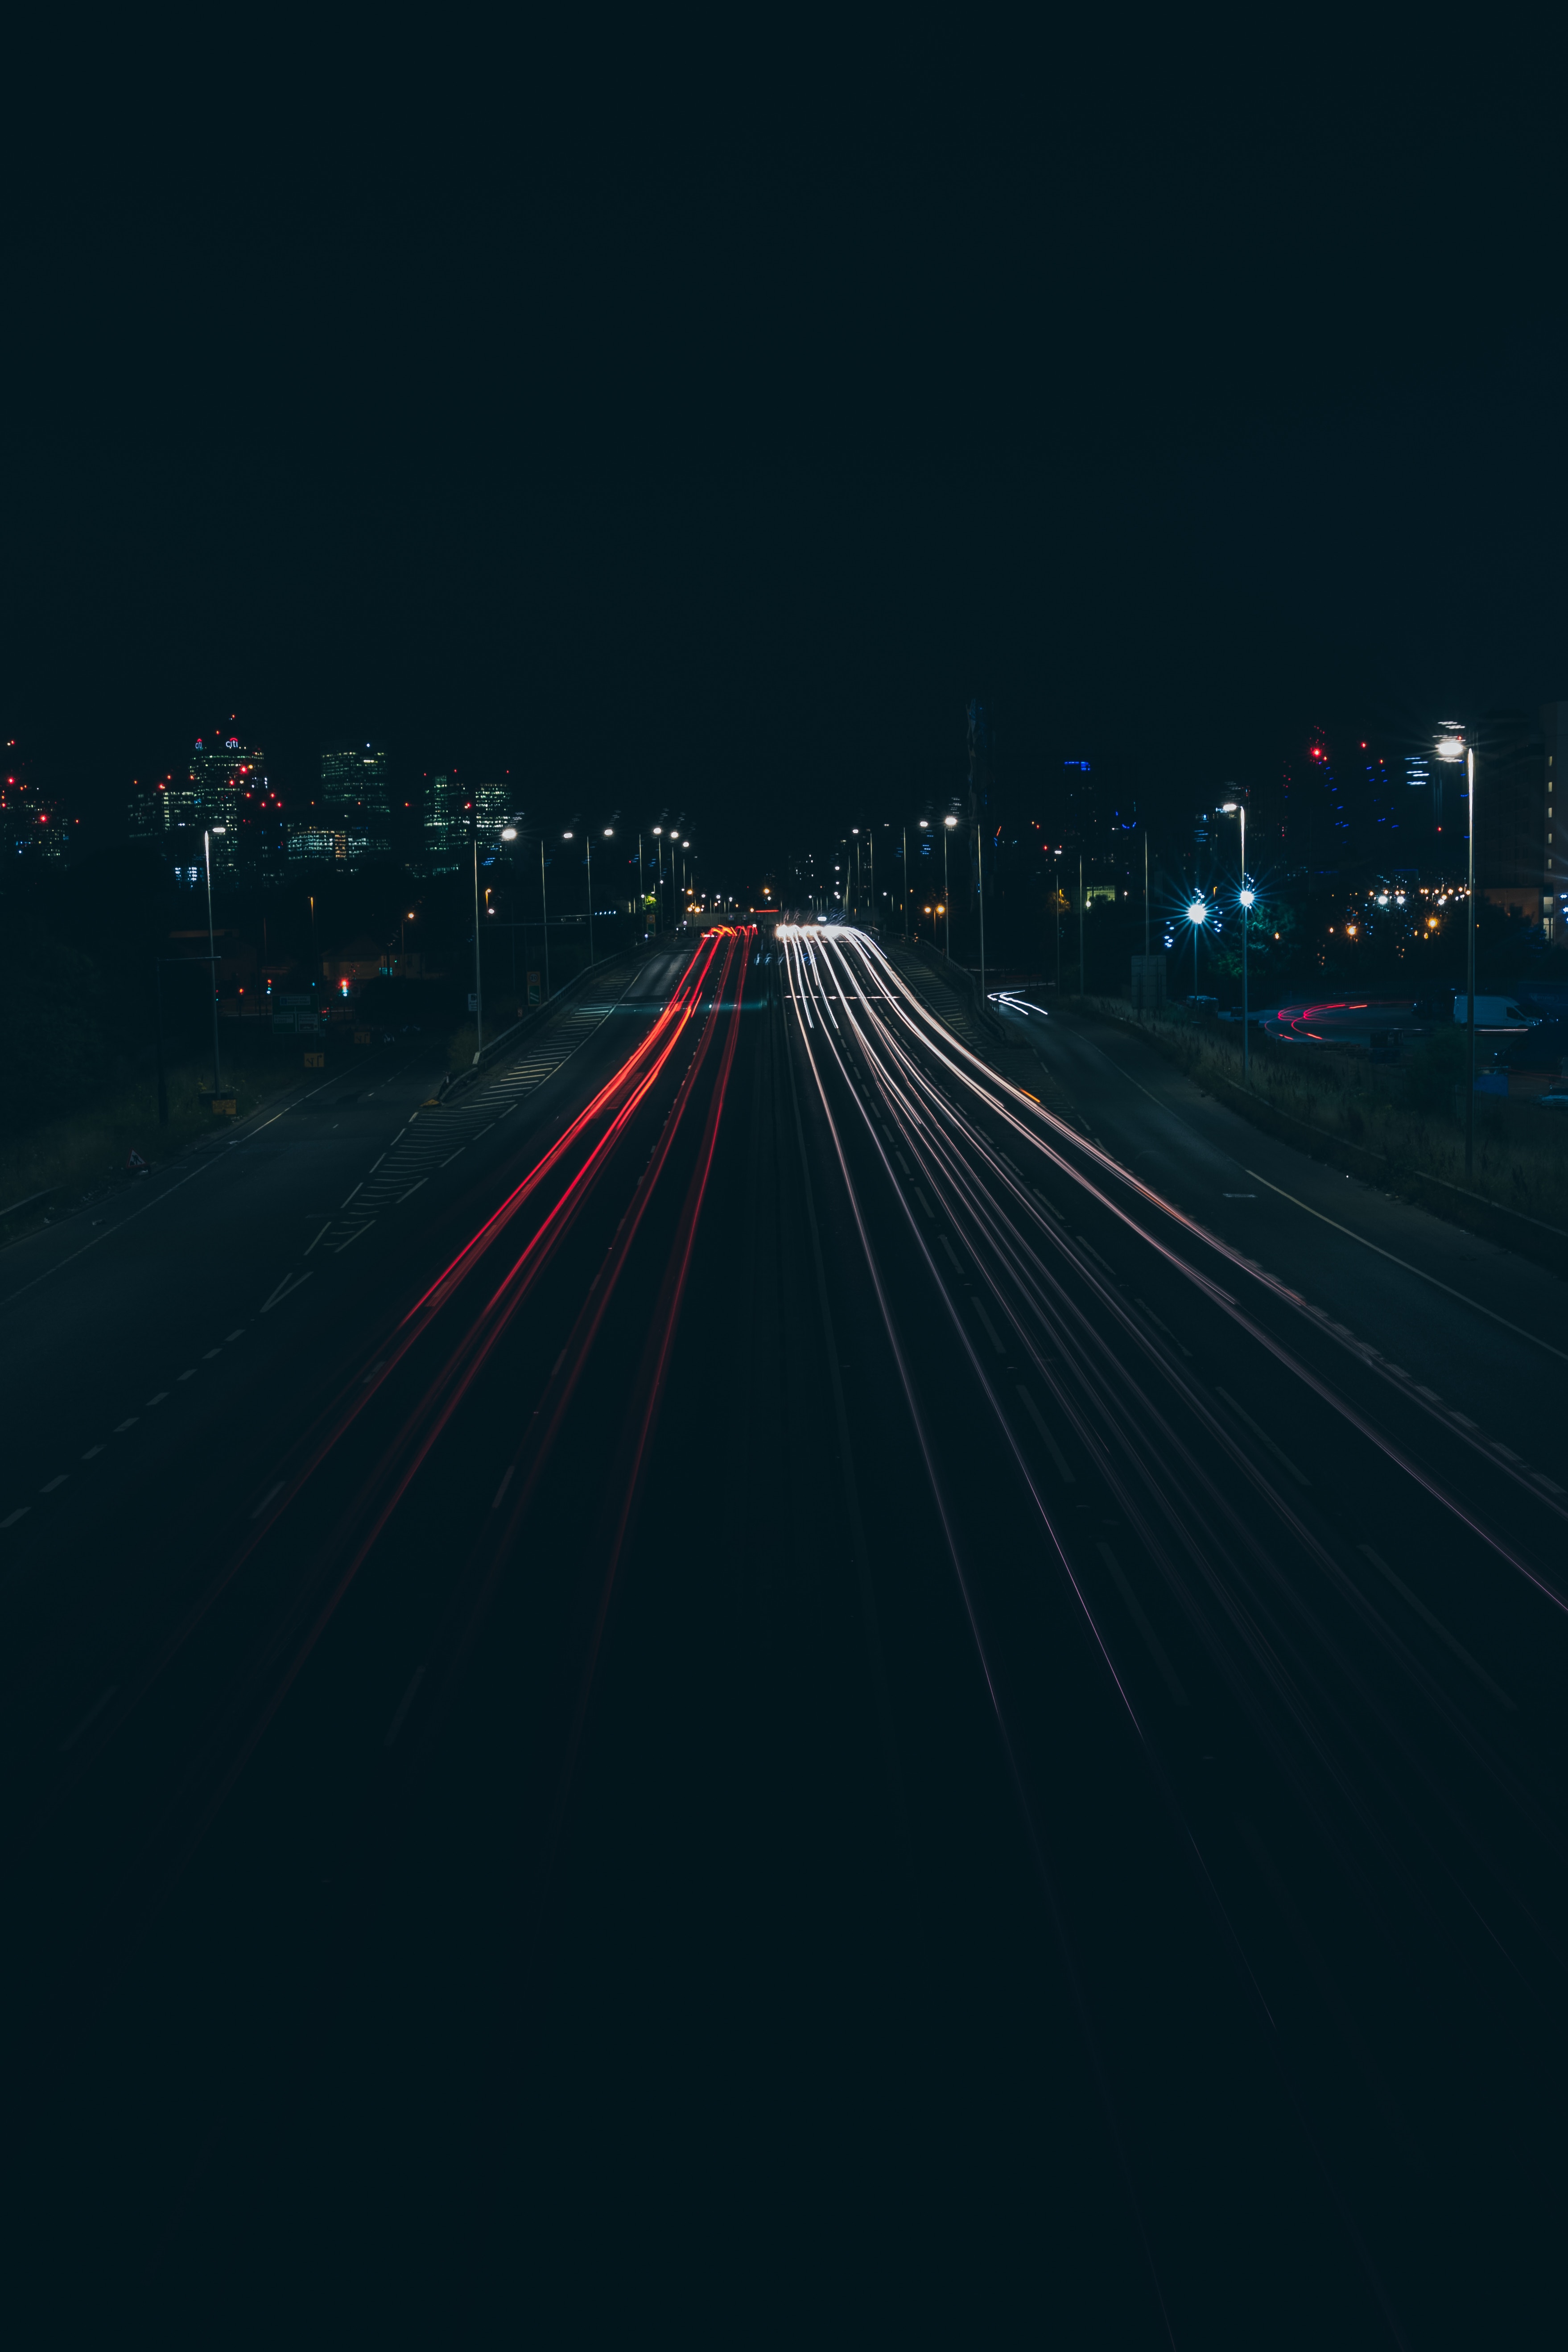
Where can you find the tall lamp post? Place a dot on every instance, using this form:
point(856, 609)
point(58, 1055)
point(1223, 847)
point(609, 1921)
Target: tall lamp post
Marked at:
point(1245, 899)
point(479, 992)
point(212, 950)
point(1452, 747)
point(947, 824)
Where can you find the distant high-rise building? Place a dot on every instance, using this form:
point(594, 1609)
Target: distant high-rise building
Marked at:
point(224, 786)
point(33, 824)
point(355, 801)
point(442, 828)
point(1519, 851)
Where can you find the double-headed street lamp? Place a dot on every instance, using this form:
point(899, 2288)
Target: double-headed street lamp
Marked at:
point(1247, 898)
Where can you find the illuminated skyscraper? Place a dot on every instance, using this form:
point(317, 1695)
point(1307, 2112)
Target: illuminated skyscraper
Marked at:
point(33, 825)
point(224, 785)
point(355, 801)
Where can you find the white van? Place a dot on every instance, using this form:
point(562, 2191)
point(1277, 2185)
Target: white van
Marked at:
point(1496, 1013)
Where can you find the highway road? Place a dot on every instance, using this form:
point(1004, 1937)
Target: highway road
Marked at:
point(768, 1676)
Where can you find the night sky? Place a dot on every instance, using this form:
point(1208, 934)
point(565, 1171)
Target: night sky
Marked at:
point(701, 421)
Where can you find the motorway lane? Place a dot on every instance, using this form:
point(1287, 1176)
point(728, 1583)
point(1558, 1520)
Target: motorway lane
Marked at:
point(1397, 1275)
point(1010, 1863)
point(144, 1863)
point(1345, 1686)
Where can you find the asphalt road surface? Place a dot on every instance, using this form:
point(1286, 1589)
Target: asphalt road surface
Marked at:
point(777, 1676)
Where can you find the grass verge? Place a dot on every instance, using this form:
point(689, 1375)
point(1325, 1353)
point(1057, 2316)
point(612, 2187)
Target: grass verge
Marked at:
point(1394, 1125)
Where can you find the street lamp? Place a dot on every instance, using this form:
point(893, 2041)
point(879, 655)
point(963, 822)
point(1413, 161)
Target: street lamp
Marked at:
point(948, 823)
point(1197, 914)
point(1452, 747)
point(1247, 898)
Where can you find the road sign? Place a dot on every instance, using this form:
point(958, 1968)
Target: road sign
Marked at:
point(315, 1061)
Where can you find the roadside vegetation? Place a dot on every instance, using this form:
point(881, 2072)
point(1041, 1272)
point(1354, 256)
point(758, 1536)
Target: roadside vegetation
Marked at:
point(74, 1155)
point(1409, 1114)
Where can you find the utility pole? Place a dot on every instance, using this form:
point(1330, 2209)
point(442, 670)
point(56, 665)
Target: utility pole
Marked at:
point(906, 882)
point(588, 837)
point(1146, 893)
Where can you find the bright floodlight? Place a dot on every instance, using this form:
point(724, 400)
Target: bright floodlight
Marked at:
point(509, 833)
point(1227, 808)
point(950, 821)
point(923, 823)
point(566, 837)
point(609, 831)
point(1249, 897)
point(1450, 747)
point(1198, 911)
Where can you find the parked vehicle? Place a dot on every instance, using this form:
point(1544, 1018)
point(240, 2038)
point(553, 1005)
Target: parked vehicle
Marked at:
point(1496, 1013)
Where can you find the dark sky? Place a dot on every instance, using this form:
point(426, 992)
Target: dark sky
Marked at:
point(702, 420)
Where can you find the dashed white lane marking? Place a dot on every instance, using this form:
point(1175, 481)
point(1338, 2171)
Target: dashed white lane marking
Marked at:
point(1441, 1630)
point(210, 1354)
point(129, 1422)
point(353, 1236)
point(409, 1696)
point(372, 1168)
point(1055, 1451)
point(151, 1400)
point(90, 1718)
point(267, 1498)
point(501, 1490)
point(234, 1336)
point(90, 1452)
point(16, 1516)
point(53, 1484)
point(454, 1155)
point(1431, 1395)
point(190, 1375)
point(1262, 1435)
point(409, 1194)
point(349, 1196)
point(1542, 1479)
point(289, 1284)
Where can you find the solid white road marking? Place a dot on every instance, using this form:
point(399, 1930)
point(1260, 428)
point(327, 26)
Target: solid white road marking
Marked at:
point(271, 1491)
point(1463, 1297)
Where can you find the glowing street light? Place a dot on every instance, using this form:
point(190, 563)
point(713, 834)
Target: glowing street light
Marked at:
point(1197, 914)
